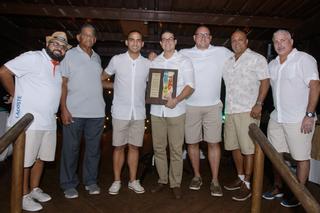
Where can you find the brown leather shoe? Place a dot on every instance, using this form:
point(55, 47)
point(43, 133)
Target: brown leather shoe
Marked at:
point(159, 187)
point(177, 192)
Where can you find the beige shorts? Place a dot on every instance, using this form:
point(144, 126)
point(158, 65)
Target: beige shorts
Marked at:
point(287, 137)
point(203, 124)
point(127, 132)
point(236, 130)
point(40, 144)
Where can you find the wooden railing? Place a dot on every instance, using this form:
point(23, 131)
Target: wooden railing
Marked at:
point(262, 147)
point(16, 135)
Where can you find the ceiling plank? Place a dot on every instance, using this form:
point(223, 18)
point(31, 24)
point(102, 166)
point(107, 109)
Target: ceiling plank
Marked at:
point(63, 11)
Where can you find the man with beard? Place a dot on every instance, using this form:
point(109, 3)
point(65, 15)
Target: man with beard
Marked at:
point(36, 72)
point(82, 111)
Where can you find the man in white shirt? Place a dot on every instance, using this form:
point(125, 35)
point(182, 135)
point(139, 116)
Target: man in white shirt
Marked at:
point(204, 107)
point(128, 109)
point(246, 78)
point(36, 90)
point(82, 112)
point(168, 121)
point(295, 88)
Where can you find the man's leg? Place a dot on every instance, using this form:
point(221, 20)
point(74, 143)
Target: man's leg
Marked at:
point(303, 169)
point(118, 161)
point(36, 173)
point(133, 159)
point(238, 161)
point(26, 176)
point(93, 129)
point(194, 155)
point(214, 155)
point(248, 167)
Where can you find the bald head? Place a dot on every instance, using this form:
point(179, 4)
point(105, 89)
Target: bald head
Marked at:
point(202, 37)
point(239, 42)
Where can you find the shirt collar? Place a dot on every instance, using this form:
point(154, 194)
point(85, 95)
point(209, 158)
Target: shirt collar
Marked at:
point(291, 54)
point(175, 54)
point(197, 49)
point(81, 50)
point(44, 52)
point(127, 53)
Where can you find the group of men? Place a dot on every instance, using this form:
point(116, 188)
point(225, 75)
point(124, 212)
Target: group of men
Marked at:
point(193, 115)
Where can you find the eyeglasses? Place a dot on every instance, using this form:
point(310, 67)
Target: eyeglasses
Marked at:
point(171, 39)
point(59, 46)
point(203, 35)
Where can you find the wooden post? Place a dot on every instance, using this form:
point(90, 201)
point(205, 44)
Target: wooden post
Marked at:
point(257, 179)
point(17, 174)
point(308, 202)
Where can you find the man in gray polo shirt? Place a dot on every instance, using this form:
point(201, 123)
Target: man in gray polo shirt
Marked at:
point(82, 111)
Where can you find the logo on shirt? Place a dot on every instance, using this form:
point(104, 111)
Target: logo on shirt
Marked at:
point(18, 106)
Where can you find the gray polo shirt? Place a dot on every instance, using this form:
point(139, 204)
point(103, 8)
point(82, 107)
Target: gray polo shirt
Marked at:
point(85, 93)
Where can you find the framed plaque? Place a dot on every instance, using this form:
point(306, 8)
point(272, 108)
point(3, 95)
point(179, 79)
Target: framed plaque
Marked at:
point(162, 83)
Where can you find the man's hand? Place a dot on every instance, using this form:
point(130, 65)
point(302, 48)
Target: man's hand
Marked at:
point(307, 125)
point(256, 111)
point(66, 117)
point(172, 102)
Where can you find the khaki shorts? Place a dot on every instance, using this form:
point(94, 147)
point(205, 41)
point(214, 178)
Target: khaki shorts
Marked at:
point(287, 137)
point(127, 132)
point(203, 123)
point(40, 144)
point(236, 130)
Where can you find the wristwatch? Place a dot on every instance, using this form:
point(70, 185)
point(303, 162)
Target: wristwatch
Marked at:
point(310, 114)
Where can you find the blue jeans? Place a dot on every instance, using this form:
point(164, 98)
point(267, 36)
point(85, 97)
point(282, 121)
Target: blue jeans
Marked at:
point(92, 130)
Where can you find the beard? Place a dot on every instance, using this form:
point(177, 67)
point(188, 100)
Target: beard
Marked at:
point(55, 55)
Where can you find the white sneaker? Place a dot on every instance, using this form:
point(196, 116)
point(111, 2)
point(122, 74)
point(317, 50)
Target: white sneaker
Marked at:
point(39, 195)
point(29, 204)
point(115, 187)
point(136, 187)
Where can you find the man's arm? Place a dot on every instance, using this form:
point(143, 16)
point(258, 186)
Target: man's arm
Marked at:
point(307, 122)
point(66, 116)
point(186, 92)
point(263, 91)
point(6, 79)
point(106, 84)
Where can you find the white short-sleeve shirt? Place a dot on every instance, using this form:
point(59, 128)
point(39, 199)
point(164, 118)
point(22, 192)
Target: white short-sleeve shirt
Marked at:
point(290, 86)
point(37, 89)
point(242, 79)
point(129, 86)
point(185, 78)
point(208, 65)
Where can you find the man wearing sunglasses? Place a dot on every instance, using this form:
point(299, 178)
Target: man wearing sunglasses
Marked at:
point(36, 72)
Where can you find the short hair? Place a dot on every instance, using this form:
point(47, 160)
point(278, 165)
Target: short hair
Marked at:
point(87, 25)
point(240, 31)
point(167, 31)
point(135, 31)
point(204, 26)
point(282, 31)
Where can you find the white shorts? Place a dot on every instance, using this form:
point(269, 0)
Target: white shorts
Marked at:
point(40, 144)
point(287, 137)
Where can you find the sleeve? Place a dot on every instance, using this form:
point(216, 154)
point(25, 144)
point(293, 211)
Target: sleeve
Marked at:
point(64, 66)
point(308, 65)
point(262, 69)
point(23, 64)
point(188, 73)
point(111, 68)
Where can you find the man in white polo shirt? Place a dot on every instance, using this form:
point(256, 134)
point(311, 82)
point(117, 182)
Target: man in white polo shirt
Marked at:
point(168, 121)
point(247, 83)
point(128, 109)
point(36, 90)
point(204, 107)
point(295, 88)
point(82, 112)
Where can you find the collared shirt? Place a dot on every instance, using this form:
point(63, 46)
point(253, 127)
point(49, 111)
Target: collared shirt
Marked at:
point(242, 79)
point(129, 86)
point(208, 65)
point(290, 85)
point(185, 78)
point(37, 90)
point(85, 92)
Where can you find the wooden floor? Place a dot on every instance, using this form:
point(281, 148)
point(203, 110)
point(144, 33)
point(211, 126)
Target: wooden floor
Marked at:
point(129, 202)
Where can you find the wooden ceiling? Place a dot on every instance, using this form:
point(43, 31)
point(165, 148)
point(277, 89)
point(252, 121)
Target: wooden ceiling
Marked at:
point(25, 23)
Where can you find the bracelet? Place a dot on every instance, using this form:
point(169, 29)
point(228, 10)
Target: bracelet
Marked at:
point(259, 103)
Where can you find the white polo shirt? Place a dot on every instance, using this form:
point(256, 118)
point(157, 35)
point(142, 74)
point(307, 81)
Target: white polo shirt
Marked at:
point(242, 79)
point(208, 65)
point(185, 77)
point(290, 86)
point(85, 92)
point(37, 89)
point(129, 86)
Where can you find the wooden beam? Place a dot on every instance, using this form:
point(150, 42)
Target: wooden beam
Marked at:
point(63, 11)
